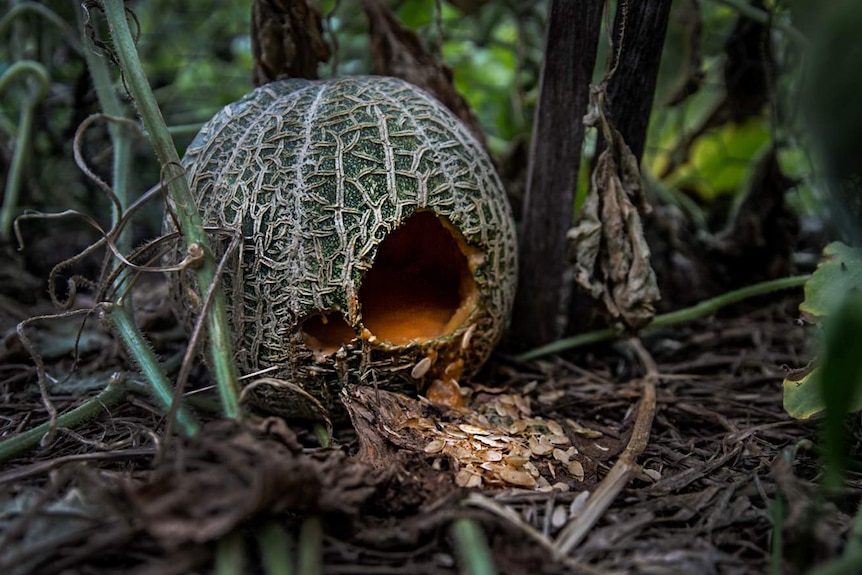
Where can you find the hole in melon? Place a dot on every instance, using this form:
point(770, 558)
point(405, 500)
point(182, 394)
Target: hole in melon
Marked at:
point(326, 333)
point(420, 285)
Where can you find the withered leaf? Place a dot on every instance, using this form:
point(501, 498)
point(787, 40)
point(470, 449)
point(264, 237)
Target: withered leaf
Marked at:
point(230, 474)
point(611, 254)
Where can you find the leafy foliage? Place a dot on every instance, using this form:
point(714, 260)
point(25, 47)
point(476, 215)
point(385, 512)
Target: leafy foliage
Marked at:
point(829, 298)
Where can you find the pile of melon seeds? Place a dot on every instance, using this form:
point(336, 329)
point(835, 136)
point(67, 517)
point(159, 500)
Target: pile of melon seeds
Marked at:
point(499, 444)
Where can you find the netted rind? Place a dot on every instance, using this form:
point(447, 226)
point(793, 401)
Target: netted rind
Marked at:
point(315, 174)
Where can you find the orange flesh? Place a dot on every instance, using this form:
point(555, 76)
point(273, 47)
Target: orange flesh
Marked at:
point(419, 287)
point(326, 333)
point(420, 283)
point(446, 393)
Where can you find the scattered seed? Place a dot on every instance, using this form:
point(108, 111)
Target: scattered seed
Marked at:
point(522, 403)
point(532, 469)
point(578, 503)
point(465, 339)
point(518, 427)
point(560, 515)
point(583, 431)
point(561, 455)
point(576, 469)
point(555, 427)
point(540, 447)
point(492, 455)
point(560, 486)
point(552, 471)
point(410, 423)
point(490, 441)
point(516, 460)
point(653, 474)
point(559, 440)
point(530, 387)
point(463, 477)
point(519, 478)
point(426, 424)
point(463, 453)
point(421, 368)
point(473, 429)
point(550, 397)
point(436, 446)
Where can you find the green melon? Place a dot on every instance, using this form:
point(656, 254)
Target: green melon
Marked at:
point(377, 247)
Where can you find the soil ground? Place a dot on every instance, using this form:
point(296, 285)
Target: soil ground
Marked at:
point(723, 460)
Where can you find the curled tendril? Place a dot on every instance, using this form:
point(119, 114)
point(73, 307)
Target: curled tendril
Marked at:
point(41, 373)
point(195, 336)
point(82, 163)
point(105, 47)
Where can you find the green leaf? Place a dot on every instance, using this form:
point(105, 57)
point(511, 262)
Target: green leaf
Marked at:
point(721, 160)
point(802, 398)
point(839, 273)
point(417, 13)
point(835, 384)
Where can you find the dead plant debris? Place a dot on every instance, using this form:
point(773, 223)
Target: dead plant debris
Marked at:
point(538, 439)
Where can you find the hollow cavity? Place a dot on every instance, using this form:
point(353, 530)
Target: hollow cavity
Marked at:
point(325, 333)
point(420, 285)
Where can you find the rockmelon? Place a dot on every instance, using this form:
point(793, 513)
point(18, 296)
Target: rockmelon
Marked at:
point(377, 245)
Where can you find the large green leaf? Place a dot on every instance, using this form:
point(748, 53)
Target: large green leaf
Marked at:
point(839, 273)
point(831, 296)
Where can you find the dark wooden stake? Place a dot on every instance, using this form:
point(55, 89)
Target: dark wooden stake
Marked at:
point(632, 88)
point(571, 38)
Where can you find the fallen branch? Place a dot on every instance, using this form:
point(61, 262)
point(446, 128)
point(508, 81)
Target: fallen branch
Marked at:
point(625, 467)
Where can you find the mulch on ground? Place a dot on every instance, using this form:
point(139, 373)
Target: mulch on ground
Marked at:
point(118, 495)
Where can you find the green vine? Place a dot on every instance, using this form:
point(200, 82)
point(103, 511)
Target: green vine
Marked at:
point(19, 444)
point(703, 309)
point(146, 359)
point(23, 136)
point(221, 355)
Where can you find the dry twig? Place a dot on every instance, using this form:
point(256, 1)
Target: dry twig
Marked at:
point(625, 467)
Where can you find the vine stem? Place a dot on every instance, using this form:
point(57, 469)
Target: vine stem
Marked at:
point(144, 355)
point(275, 553)
point(46, 13)
point(109, 397)
point(121, 135)
point(703, 309)
point(23, 136)
point(472, 547)
point(191, 225)
point(230, 554)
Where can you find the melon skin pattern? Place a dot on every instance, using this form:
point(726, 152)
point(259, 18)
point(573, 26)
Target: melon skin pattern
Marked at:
point(315, 175)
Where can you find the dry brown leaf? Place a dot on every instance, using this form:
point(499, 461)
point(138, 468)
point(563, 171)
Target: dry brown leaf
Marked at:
point(612, 259)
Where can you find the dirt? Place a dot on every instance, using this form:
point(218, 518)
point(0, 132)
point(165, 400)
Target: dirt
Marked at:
point(119, 495)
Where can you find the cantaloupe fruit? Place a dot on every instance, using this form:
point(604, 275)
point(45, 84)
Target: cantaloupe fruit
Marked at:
point(377, 246)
